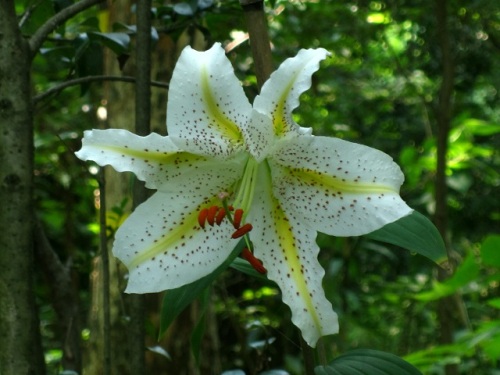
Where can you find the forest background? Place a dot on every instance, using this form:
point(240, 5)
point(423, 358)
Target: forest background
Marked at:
point(418, 80)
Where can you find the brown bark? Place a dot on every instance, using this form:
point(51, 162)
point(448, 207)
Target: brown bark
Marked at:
point(64, 300)
point(20, 347)
point(256, 22)
point(136, 302)
point(127, 322)
point(448, 306)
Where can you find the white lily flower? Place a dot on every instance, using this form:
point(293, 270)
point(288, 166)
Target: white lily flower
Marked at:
point(288, 183)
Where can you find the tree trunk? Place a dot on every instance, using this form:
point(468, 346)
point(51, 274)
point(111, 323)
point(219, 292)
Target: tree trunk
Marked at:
point(448, 306)
point(20, 344)
point(127, 321)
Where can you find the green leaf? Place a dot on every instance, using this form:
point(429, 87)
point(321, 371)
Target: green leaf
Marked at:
point(199, 329)
point(184, 9)
point(490, 250)
point(416, 233)
point(467, 272)
point(242, 265)
point(38, 14)
point(176, 300)
point(440, 356)
point(132, 30)
point(494, 302)
point(481, 127)
point(119, 43)
point(366, 361)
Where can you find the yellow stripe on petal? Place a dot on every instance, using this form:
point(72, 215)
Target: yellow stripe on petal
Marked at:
point(221, 122)
point(146, 154)
point(176, 236)
point(314, 178)
point(291, 256)
point(280, 122)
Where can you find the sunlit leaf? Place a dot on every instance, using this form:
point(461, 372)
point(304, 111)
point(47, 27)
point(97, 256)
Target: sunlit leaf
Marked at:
point(481, 127)
point(495, 302)
point(490, 250)
point(467, 272)
point(439, 355)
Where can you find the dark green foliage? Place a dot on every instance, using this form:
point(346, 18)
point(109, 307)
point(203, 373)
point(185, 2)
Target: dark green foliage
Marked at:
point(380, 88)
point(176, 300)
point(364, 362)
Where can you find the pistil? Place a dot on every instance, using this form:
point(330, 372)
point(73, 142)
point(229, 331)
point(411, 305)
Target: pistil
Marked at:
point(246, 188)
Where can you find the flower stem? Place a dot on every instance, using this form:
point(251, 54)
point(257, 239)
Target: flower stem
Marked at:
point(321, 352)
point(256, 21)
point(308, 354)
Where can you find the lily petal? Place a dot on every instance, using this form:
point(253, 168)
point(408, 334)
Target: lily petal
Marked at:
point(207, 105)
point(158, 161)
point(340, 188)
point(289, 252)
point(280, 94)
point(259, 135)
point(163, 246)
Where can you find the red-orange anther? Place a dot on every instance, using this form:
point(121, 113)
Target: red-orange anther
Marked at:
point(220, 216)
point(240, 232)
point(254, 262)
point(212, 212)
point(202, 217)
point(238, 214)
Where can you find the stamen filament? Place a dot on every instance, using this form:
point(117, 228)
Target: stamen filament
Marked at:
point(247, 186)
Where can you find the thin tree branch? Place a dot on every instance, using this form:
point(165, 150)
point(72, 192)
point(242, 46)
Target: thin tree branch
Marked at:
point(447, 306)
point(64, 300)
point(78, 81)
point(103, 244)
point(55, 21)
point(136, 302)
